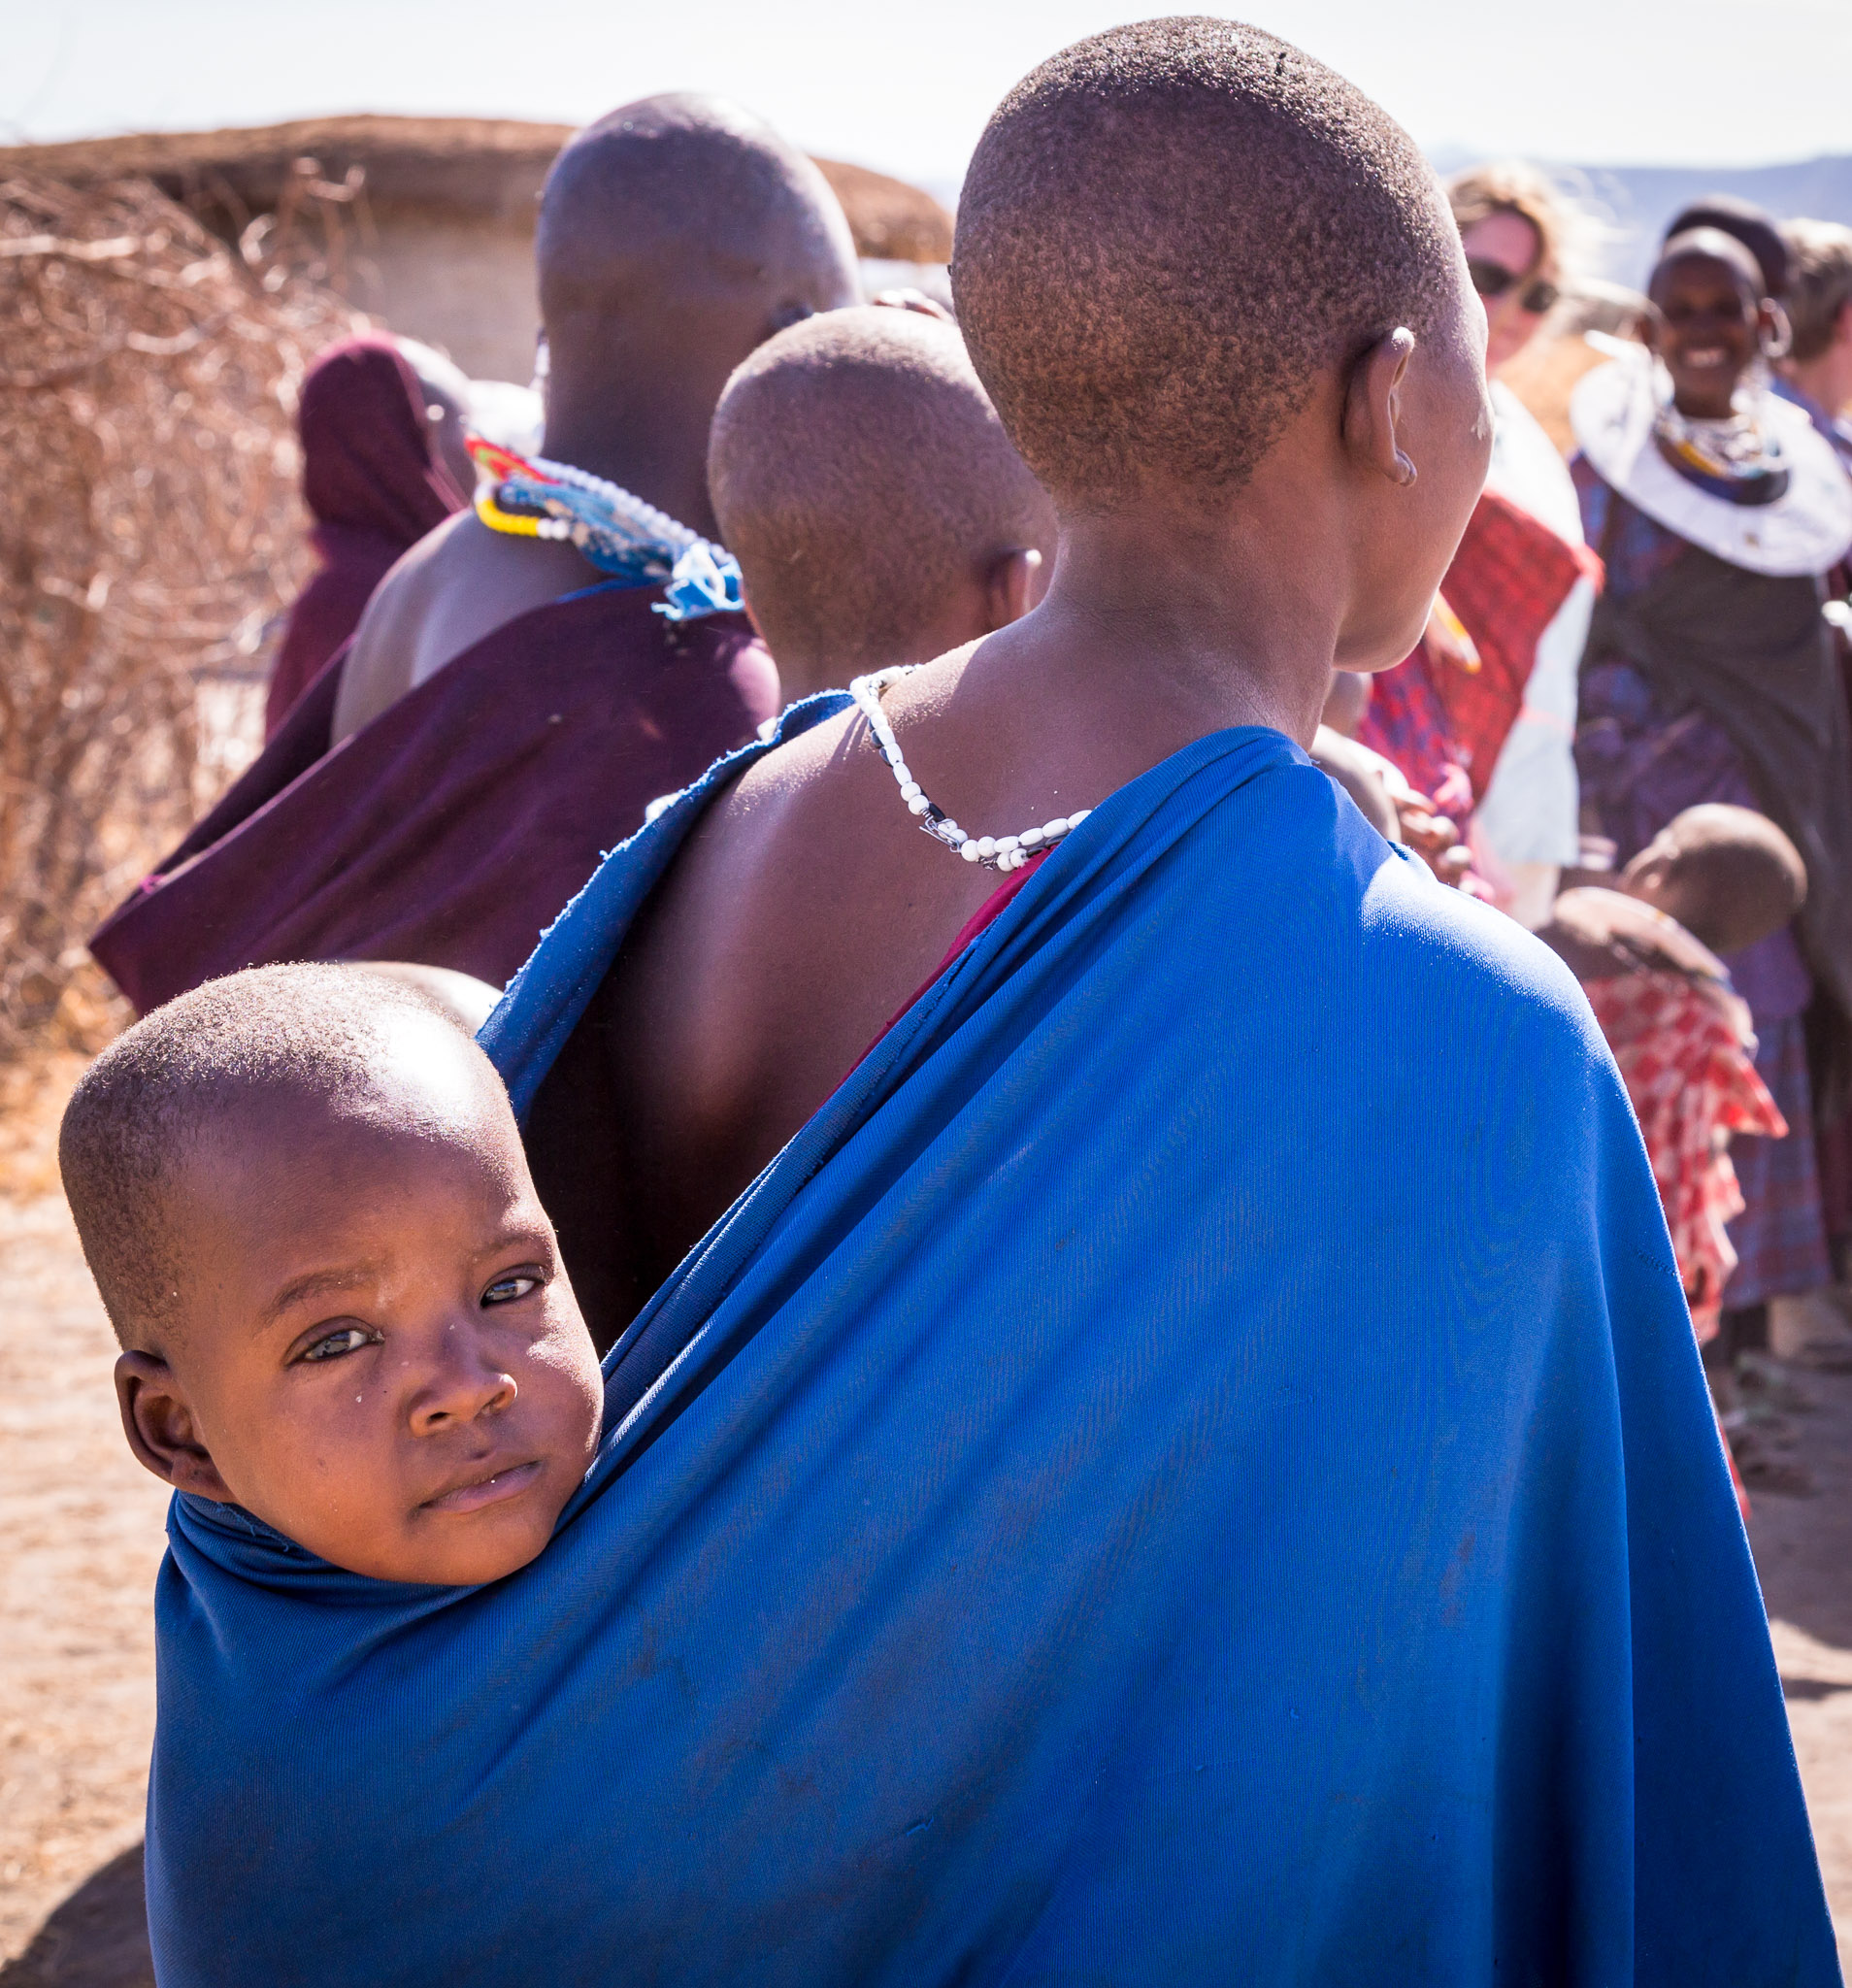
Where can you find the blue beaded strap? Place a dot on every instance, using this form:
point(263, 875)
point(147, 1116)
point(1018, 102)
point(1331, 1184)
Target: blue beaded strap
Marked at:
point(617, 532)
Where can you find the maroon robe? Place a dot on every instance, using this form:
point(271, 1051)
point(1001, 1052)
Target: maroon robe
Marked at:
point(457, 824)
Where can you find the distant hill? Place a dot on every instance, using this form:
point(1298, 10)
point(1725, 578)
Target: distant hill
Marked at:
point(1642, 199)
point(1639, 200)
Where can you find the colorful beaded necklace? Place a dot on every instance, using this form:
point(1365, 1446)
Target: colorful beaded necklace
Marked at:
point(617, 532)
point(1734, 458)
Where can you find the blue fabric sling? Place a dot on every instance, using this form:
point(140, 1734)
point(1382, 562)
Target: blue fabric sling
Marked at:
point(1192, 1467)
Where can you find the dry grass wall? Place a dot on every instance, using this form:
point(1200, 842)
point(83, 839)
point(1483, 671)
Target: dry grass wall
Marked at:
point(150, 534)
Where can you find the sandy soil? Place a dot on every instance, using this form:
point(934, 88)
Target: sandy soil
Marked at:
point(81, 1524)
point(1803, 1550)
point(82, 1531)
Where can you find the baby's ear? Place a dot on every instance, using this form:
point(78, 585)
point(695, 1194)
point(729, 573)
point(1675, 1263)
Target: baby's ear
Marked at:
point(1010, 587)
point(158, 1421)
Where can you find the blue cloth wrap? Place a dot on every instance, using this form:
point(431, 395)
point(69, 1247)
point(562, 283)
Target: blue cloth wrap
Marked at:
point(1192, 1467)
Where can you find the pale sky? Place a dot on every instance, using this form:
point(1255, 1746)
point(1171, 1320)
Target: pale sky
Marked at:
point(907, 88)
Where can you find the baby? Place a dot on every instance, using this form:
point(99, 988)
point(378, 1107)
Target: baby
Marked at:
point(1728, 875)
point(1715, 879)
point(302, 1197)
point(1722, 876)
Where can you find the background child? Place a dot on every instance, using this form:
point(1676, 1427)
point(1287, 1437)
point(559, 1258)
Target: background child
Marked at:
point(1714, 880)
point(1728, 875)
point(878, 512)
point(303, 1196)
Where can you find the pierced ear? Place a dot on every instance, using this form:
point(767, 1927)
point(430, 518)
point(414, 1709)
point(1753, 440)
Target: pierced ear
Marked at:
point(1372, 407)
point(158, 1421)
point(1775, 333)
point(1012, 587)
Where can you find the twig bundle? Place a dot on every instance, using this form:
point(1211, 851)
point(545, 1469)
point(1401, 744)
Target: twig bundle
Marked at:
point(150, 531)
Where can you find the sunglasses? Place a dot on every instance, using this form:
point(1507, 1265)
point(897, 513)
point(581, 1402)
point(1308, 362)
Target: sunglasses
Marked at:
point(1493, 279)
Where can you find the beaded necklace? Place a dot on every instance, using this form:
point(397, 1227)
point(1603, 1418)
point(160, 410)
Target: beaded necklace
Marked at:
point(617, 532)
point(1734, 458)
point(995, 852)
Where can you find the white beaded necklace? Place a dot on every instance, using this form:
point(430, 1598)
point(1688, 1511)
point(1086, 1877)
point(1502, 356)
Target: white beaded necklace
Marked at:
point(995, 852)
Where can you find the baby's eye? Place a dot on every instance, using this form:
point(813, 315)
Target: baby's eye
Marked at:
point(348, 1339)
point(508, 1290)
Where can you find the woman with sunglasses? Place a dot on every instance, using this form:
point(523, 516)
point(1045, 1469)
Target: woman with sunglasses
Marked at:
point(1514, 231)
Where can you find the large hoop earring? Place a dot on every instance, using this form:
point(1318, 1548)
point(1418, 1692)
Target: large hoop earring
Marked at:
point(1778, 340)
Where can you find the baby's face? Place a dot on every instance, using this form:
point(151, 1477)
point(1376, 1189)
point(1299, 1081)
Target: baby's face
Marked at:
point(1653, 877)
point(380, 1353)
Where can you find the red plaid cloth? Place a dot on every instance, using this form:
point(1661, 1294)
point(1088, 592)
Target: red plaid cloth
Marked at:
point(1406, 721)
point(1444, 727)
point(1508, 579)
point(1687, 1060)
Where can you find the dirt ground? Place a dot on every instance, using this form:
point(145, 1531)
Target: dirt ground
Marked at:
point(80, 1536)
point(81, 1526)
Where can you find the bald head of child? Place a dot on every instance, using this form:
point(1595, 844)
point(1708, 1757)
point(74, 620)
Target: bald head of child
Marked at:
point(303, 1196)
point(1728, 875)
point(878, 512)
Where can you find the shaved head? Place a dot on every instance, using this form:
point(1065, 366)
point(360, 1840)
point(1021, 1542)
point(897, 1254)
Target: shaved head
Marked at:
point(1714, 245)
point(862, 479)
point(689, 195)
point(285, 1041)
point(1167, 233)
point(1746, 222)
point(1728, 875)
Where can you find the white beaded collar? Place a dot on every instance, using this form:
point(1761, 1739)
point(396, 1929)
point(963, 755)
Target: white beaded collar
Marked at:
point(998, 853)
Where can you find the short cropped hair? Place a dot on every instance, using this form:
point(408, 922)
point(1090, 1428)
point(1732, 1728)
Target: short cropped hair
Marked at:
point(1819, 282)
point(1743, 221)
point(1717, 245)
point(1167, 232)
point(138, 1111)
point(859, 474)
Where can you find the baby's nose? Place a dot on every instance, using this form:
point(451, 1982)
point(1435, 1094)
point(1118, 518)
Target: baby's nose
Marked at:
point(463, 1393)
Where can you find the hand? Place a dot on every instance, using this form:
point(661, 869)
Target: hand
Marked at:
point(1435, 839)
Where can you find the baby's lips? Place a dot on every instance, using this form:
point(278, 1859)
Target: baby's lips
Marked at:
point(489, 1481)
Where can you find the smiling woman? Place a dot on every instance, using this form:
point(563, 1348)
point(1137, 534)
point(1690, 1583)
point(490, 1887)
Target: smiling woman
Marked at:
point(1710, 676)
point(340, 1304)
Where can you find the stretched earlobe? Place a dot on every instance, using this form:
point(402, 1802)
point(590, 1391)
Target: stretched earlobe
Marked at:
point(1776, 331)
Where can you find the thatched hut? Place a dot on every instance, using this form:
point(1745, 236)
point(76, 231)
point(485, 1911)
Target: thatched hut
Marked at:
point(426, 222)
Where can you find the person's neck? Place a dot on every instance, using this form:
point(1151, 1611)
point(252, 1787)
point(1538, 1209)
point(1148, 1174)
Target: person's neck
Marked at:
point(657, 449)
point(1716, 406)
point(1202, 624)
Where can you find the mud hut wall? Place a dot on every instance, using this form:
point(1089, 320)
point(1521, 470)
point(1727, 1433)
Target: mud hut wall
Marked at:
point(461, 282)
